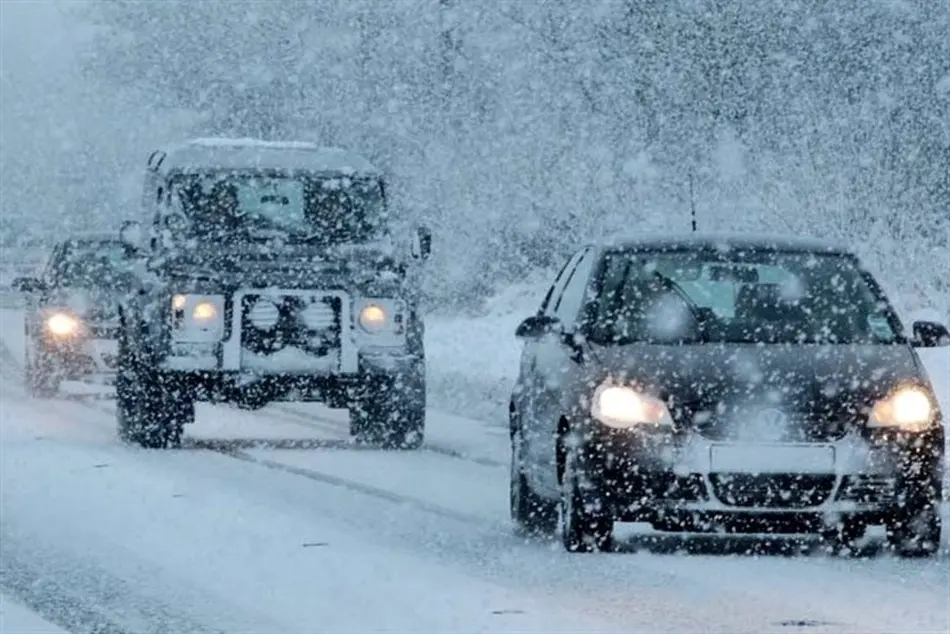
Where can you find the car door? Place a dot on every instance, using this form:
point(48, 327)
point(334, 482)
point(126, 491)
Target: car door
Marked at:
point(526, 387)
point(554, 366)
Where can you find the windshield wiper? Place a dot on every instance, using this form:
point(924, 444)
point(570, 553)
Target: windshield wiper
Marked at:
point(693, 307)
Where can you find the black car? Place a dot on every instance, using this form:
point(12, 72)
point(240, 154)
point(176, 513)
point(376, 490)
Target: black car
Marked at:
point(713, 383)
point(71, 314)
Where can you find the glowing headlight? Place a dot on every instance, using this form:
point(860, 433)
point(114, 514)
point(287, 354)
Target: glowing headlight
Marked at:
point(178, 302)
point(204, 312)
point(373, 317)
point(62, 325)
point(621, 407)
point(909, 409)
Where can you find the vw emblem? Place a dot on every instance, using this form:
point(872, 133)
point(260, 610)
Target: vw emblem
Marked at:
point(773, 424)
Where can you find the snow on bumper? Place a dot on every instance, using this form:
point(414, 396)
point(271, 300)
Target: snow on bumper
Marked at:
point(845, 476)
point(281, 345)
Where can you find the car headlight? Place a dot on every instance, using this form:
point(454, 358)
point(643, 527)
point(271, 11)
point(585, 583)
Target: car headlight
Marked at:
point(62, 324)
point(204, 312)
point(908, 409)
point(377, 316)
point(622, 407)
point(197, 318)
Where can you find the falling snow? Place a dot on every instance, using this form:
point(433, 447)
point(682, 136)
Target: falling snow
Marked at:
point(732, 214)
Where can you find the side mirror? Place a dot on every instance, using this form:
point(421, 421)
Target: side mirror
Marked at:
point(537, 326)
point(930, 334)
point(422, 244)
point(27, 284)
point(131, 235)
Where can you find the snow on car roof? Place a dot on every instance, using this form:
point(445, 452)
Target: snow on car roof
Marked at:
point(727, 241)
point(247, 153)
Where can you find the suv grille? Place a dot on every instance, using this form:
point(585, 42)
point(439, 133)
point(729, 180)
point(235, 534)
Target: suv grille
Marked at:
point(274, 322)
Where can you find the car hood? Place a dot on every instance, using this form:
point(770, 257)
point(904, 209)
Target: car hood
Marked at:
point(253, 265)
point(91, 304)
point(822, 389)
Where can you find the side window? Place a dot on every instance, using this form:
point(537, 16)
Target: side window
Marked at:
point(569, 304)
point(52, 270)
point(555, 291)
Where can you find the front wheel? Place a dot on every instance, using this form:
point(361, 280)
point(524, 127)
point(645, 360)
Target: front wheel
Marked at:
point(531, 513)
point(586, 525)
point(40, 378)
point(390, 411)
point(916, 531)
point(151, 410)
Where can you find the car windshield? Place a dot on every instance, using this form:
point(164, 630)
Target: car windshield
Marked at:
point(90, 264)
point(762, 296)
point(238, 206)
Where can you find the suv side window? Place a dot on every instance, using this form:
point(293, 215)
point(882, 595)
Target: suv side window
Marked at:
point(53, 265)
point(559, 282)
point(569, 304)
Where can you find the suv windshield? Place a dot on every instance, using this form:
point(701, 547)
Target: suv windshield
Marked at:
point(89, 264)
point(256, 207)
point(744, 297)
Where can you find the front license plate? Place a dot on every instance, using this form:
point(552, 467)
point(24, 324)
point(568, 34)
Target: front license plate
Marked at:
point(758, 458)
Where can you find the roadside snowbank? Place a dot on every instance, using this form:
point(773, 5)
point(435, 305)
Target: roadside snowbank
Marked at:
point(473, 359)
point(17, 619)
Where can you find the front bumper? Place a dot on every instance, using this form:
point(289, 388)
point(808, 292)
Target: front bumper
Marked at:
point(87, 360)
point(648, 476)
point(328, 387)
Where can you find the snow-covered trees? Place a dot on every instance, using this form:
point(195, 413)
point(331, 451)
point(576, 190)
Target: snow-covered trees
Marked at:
point(518, 128)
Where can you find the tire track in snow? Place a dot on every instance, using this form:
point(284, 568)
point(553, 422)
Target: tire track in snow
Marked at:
point(235, 449)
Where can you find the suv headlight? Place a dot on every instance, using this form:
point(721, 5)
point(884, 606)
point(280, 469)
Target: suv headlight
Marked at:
point(623, 407)
point(380, 316)
point(907, 409)
point(197, 318)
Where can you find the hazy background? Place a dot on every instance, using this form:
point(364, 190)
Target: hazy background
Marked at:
point(514, 129)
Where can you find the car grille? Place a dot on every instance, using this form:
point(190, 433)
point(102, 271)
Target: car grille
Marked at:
point(868, 489)
point(785, 490)
point(271, 323)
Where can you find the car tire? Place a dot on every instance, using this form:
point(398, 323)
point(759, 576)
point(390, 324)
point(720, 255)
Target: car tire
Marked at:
point(586, 526)
point(40, 378)
point(532, 514)
point(916, 531)
point(841, 539)
point(149, 412)
point(390, 412)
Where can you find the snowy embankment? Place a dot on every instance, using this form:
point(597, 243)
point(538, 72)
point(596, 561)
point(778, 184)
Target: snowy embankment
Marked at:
point(473, 360)
point(16, 619)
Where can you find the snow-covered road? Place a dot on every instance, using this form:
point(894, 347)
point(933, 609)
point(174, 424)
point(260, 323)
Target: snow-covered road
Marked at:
point(226, 536)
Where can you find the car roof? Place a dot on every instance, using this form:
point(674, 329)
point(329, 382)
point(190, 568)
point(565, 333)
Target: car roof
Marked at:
point(725, 241)
point(196, 155)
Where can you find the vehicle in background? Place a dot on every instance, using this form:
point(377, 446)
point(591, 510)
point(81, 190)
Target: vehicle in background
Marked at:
point(711, 383)
point(71, 314)
point(269, 273)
